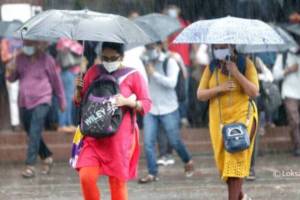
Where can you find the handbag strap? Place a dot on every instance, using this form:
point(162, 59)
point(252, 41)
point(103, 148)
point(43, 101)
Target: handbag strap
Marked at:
point(219, 104)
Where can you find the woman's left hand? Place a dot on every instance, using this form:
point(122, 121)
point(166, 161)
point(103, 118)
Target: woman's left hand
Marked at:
point(123, 101)
point(232, 68)
point(120, 100)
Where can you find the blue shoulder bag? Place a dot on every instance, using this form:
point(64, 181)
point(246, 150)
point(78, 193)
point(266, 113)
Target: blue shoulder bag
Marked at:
point(235, 135)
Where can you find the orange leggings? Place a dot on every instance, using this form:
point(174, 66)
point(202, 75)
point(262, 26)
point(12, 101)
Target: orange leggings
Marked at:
point(88, 180)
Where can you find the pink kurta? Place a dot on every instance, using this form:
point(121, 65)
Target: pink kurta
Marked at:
point(117, 155)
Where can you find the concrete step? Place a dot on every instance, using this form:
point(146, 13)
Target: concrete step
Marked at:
point(13, 145)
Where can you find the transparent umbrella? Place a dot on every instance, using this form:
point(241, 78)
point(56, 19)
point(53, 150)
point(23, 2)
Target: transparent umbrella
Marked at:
point(229, 30)
point(289, 42)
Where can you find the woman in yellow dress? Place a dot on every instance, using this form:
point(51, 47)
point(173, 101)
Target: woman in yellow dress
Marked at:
point(232, 84)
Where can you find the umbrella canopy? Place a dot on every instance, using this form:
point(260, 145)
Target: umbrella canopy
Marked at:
point(3, 27)
point(158, 26)
point(229, 30)
point(293, 28)
point(82, 25)
point(289, 42)
point(7, 28)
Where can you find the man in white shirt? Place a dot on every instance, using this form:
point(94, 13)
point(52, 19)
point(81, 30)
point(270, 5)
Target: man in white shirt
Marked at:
point(164, 111)
point(290, 74)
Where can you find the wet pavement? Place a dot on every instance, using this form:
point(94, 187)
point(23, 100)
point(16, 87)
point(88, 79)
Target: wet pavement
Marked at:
point(278, 178)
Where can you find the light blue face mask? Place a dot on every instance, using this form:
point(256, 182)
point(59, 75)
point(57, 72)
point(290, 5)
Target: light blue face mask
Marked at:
point(173, 13)
point(28, 50)
point(152, 54)
point(222, 54)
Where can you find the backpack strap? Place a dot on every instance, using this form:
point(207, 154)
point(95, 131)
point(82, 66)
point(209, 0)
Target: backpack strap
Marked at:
point(122, 73)
point(284, 59)
point(165, 64)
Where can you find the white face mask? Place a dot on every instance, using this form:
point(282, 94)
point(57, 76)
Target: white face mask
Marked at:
point(28, 50)
point(221, 54)
point(173, 13)
point(111, 66)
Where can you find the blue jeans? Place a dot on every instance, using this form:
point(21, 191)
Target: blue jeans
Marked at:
point(33, 121)
point(164, 147)
point(66, 118)
point(170, 124)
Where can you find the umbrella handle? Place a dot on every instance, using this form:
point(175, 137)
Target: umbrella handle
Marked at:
point(83, 62)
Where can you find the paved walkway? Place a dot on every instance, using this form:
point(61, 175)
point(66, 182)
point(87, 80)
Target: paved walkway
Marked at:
point(278, 179)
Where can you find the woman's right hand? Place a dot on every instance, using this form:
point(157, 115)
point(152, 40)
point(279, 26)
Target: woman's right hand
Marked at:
point(226, 87)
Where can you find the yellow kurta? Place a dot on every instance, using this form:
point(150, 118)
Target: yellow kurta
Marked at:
point(234, 107)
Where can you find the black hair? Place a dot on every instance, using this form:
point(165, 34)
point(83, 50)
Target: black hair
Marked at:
point(118, 47)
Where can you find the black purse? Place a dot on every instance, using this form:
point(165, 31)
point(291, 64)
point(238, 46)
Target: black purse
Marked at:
point(235, 135)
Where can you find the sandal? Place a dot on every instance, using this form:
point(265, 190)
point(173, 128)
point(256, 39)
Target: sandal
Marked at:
point(189, 169)
point(148, 179)
point(47, 166)
point(29, 172)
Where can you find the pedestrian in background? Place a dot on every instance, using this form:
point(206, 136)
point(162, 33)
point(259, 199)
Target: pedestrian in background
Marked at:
point(290, 76)
point(39, 80)
point(164, 111)
point(69, 54)
point(184, 51)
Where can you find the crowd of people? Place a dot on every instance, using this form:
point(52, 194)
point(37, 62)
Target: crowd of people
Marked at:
point(43, 80)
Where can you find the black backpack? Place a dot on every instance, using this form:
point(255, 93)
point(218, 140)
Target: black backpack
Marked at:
point(180, 85)
point(99, 116)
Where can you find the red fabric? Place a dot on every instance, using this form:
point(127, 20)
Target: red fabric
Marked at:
point(88, 180)
point(117, 155)
point(182, 49)
point(72, 45)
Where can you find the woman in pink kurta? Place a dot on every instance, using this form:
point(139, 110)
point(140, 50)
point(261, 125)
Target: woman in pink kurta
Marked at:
point(116, 156)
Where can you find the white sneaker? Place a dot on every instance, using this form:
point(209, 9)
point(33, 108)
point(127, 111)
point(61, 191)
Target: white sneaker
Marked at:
point(169, 160)
point(185, 123)
point(162, 161)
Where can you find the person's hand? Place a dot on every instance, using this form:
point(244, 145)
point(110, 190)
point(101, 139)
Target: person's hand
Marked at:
point(150, 69)
point(294, 17)
point(226, 87)
point(132, 97)
point(232, 68)
point(120, 100)
point(79, 82)
point(292, 69)
point(10, 68)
